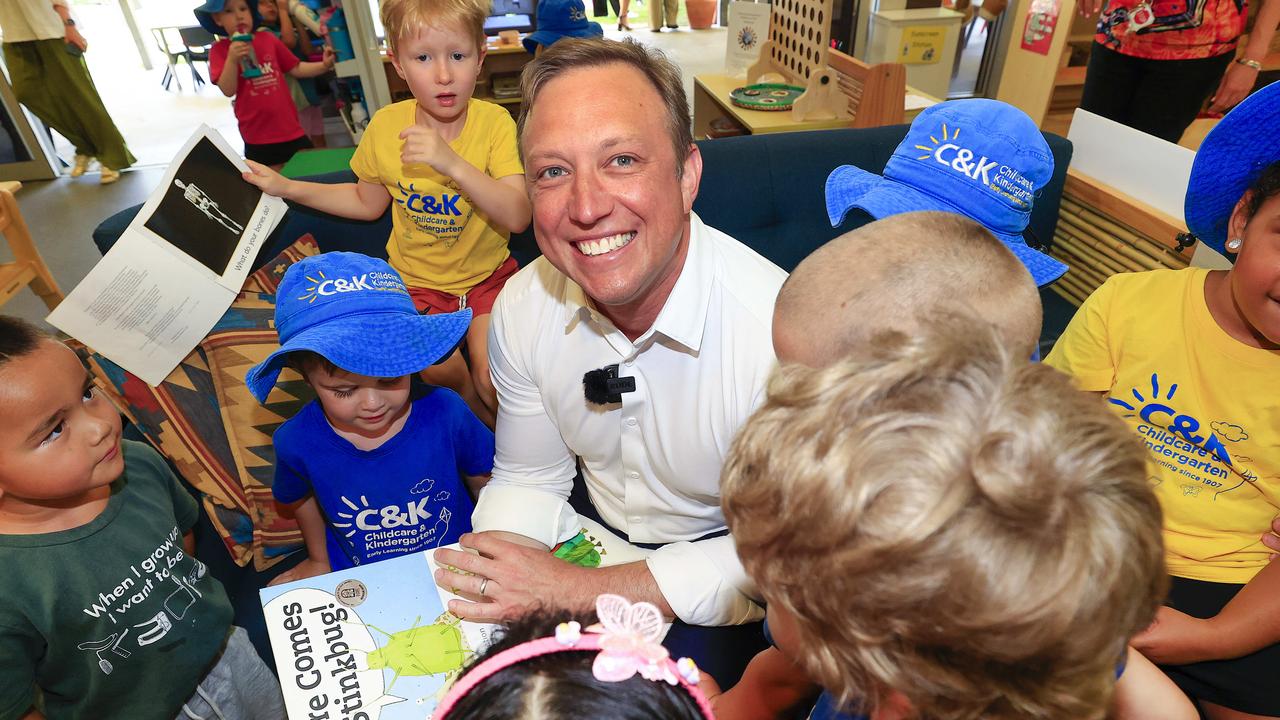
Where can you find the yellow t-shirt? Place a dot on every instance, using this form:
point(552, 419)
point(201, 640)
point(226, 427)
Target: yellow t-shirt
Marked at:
point(1204, 404)
point(438, 240)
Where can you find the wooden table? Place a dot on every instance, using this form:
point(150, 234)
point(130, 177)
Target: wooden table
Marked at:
point(711, 100)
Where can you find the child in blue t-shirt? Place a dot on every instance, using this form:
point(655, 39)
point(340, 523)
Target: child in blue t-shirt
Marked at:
point(371, 473)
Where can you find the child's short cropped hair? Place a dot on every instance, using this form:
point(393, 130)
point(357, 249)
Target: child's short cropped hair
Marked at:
point(18, 338)
point(401, 17)
point(945, 520)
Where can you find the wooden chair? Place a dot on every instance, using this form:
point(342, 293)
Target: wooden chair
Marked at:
point(877, 93)
point(28, 267)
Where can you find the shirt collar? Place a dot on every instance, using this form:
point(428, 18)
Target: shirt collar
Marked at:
point(683, 317)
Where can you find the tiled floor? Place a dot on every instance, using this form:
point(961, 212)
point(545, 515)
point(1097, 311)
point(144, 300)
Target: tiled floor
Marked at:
point(62, 213)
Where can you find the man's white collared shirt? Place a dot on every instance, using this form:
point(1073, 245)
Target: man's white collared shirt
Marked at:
point(27, 20)
point(651, 463)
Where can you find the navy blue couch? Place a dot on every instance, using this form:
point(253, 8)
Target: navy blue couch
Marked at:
point(765, 190)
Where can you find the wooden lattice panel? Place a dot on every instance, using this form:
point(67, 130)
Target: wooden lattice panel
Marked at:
point(801, 35)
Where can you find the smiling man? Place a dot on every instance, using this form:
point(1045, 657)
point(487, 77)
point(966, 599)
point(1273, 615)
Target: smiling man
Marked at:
point(633, 281)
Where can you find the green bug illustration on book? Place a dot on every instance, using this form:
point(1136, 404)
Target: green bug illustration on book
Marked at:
point(438, 648)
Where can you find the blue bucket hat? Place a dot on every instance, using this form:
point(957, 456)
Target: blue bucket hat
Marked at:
point(204, 14)
point(984, 159)
point(1229, 160)
point(354, 311)
point(558, 19)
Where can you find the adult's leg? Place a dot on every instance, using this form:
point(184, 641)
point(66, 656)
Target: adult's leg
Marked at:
point(1109, 83)
point(56, 86)
point(1172, 92)
point(672, 11)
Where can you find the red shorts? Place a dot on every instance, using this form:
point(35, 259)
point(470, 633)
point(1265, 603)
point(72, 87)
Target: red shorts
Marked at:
point(479, 298)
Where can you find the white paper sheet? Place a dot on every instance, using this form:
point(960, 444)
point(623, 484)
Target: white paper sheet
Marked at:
point(177, 267)
point(748, 29)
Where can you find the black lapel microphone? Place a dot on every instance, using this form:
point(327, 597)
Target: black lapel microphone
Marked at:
point(603, 386)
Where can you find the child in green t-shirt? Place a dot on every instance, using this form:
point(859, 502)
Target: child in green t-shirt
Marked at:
point(105, 611)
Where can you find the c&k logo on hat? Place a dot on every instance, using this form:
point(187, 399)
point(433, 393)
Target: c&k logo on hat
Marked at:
point(991, 174)
point(373, 282)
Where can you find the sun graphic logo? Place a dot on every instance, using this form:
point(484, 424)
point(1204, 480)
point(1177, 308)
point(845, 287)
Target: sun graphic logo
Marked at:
point(747, 38)
point(311, 294)
point(960, 159)
point(1164, 424)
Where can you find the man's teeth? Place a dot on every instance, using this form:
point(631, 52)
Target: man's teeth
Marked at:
point(604, 245)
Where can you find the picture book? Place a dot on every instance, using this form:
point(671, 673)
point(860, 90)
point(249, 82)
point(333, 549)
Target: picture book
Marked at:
point(374, 641)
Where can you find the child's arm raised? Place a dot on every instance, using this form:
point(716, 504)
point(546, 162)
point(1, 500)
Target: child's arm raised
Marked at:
point(307, 513)
point(230, 75)
point(505, 199)
point(358, 200)
point(312, 69)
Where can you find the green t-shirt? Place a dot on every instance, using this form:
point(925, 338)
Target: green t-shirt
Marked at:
point(111, 619)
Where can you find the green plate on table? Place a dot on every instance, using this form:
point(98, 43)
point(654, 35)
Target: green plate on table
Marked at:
point(769, 97)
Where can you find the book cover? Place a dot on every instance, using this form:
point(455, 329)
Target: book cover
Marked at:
point(374, 641)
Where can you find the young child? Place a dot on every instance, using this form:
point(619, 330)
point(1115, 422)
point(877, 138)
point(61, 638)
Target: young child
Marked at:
point(451, 164)
point(373, 473)
point(547, 666)
point(105, 611)
point(910, 265)
point(1190, 359)
point(264, 107)
point(945, 530)
point(278, 20)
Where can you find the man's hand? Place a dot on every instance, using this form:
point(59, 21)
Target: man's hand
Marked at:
point(1236, 84)
point(422, 144)
point(303, 570)
point(519, 578)
point(1176, 638)
point(265, 179)
point(73, 37)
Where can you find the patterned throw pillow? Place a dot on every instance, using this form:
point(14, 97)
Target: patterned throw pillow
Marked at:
point(245, 339)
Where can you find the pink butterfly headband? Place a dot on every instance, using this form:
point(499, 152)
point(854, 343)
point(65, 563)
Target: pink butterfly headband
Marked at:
point(628, 639)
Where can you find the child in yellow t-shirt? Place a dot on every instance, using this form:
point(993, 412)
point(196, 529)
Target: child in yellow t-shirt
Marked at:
point(1191, 359)
point(451, 164)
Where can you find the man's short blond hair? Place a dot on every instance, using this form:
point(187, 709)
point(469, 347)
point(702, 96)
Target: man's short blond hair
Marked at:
point(946, 520)
point(401, 17)
point(575, 53)
point(897, 272)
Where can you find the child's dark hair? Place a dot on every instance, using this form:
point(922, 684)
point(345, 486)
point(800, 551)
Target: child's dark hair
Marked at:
point(561, 685)
point(1263, 188)
point(304, 360)
point(17, 338)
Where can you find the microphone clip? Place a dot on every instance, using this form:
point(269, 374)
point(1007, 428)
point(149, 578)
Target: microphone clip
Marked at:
point(603, 386)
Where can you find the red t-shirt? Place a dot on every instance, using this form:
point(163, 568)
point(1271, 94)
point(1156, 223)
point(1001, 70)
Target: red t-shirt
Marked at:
point(263, 105)
point(1179, 29)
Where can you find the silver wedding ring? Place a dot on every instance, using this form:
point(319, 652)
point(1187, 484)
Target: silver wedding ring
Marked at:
point(483, 584)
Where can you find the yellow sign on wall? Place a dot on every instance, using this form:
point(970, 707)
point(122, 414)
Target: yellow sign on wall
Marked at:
point(922, 44)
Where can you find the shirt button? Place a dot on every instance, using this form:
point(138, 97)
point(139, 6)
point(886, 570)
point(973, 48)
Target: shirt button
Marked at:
point(631, 421)
point(629, 363)
point(637, 520)
point(633, 475)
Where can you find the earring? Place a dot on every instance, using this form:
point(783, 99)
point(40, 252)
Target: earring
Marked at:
point(1234, 244)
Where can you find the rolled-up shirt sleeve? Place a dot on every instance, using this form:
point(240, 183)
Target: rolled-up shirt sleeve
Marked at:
point(533, 468)
point(704, 582)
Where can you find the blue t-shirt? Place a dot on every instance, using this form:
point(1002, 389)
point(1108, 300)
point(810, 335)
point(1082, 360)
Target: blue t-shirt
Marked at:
point(400, 498)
